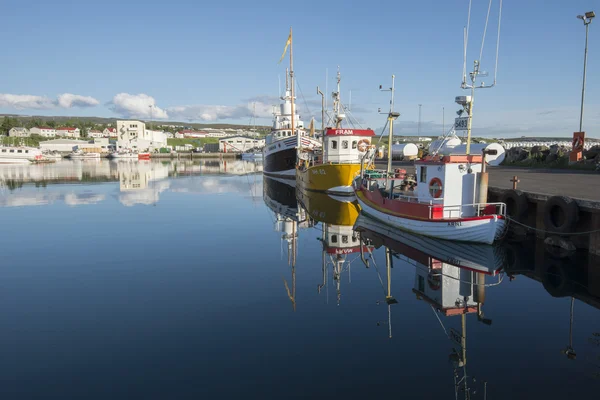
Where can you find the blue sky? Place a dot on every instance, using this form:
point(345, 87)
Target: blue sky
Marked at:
point(207, 62)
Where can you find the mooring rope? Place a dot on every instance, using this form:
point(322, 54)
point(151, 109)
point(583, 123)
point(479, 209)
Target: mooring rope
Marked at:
point(551, 232)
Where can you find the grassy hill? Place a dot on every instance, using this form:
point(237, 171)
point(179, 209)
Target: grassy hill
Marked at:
point(61, 120)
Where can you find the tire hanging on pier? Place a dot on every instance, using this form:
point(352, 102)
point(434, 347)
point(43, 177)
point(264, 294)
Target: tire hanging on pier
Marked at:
point(516, 204)
point(560, 214)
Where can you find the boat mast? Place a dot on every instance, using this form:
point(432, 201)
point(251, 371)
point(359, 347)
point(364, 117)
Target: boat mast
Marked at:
point(337, 104)
point(392, 116)
point(298, 140)
point(322, 114)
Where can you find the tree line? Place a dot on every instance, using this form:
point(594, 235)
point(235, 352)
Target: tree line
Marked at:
point(84, 126)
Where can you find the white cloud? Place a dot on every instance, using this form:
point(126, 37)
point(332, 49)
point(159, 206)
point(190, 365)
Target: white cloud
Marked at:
point(27, 101)
point(68, 100)
point(22, 101)
point(137, 106)
point(201, 112)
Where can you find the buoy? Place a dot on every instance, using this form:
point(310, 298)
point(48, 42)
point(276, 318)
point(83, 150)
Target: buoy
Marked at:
point(561, 214)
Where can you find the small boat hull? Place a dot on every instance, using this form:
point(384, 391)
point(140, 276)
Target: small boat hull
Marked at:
point(484, 229)
point(330, 178)
point(143, 156)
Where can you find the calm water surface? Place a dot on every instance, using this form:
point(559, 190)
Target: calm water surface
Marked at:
point(176, 280)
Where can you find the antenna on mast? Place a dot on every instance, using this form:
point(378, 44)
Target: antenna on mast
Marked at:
point(467, 101)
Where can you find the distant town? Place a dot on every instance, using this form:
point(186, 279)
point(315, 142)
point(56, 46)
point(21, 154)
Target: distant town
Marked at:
point(88, 136)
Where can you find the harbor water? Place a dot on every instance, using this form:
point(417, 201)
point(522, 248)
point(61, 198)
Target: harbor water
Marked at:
point(202, 279)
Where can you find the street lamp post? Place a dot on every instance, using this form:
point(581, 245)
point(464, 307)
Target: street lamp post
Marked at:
point(151, 112)
point(587, 19)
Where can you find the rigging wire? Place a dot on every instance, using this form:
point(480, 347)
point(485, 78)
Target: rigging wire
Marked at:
point(487, 18)
point(304, 99)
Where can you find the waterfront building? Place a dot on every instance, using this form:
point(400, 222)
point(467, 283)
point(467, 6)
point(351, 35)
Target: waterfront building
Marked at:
point(44, 131)
point(64, 145)
point(134, 135)
point(239, 144)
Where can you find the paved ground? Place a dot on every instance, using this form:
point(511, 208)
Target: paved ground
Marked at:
point(577, 184)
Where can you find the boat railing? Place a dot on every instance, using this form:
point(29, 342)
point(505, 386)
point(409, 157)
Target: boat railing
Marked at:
point(457, 211)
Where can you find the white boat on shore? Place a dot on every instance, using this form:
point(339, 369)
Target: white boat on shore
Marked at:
point(80, 155)
point(19, 154)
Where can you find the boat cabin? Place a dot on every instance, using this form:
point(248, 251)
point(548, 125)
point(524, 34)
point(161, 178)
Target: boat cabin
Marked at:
point(343, 146)
point(450, 182)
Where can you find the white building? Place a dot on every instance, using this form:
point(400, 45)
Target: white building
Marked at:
point(134, 135)
point(44, 131)
point(239, 144)
point(192, 134)
point(110, 132)
point(19, 132)
point(95, 134)
point(68, 131)
point(64, 145)
point(217, 134)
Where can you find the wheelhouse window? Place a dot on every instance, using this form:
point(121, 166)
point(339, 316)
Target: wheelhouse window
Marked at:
point(12, 151)
point(19, 151)
point(354, 144)
point(333, 238)
point(344, 239)
point(423, 175)
point(334, 144)
point(344, 144)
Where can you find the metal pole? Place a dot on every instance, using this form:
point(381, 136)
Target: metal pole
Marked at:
point(419, 126)
point(587, 25)
point(443, 121)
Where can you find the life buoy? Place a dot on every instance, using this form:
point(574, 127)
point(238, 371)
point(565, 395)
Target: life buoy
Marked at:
point(560, 214)
point(363, 145)
point(435, 188)
point(516, 204)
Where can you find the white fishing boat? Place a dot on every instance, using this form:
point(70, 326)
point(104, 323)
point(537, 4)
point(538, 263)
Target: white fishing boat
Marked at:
point(19, 154)
point(287, 134)
point(124, 154)
point(450, 199)
point(252, 155)
point(52, 155)
point(81, 155)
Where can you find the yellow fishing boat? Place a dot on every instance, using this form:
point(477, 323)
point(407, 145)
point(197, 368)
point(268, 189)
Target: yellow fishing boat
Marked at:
point(333, 167)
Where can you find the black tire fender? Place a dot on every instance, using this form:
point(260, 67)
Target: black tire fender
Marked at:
point(516, 204)
point(561, 214)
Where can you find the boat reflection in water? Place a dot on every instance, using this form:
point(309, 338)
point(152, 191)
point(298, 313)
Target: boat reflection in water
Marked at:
point(341, 245)
point(451, 277)
point(289, 217)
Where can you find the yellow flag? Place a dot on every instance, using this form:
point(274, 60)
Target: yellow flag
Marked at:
point(289, 40)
